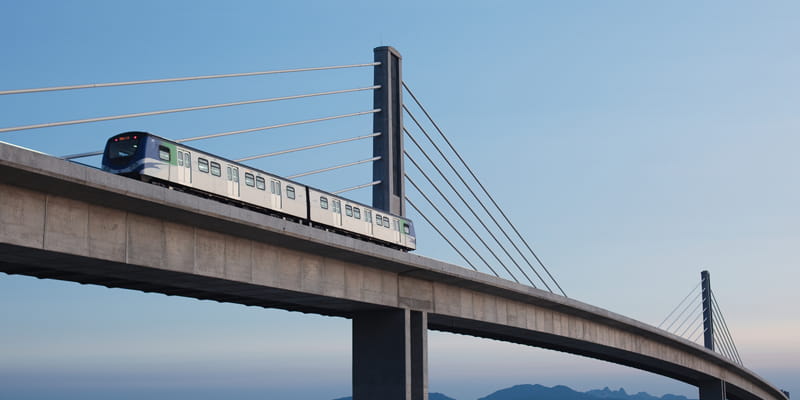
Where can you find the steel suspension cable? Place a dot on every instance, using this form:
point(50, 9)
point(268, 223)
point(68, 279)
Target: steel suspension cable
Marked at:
point(679, 305)
point(264, 128)
point(725, 327)
point(238, 132)
point(373, 183)
point(694, 312)
point(686, 308)
point(723, 347)
point(191, 78)
point(693, 323)
point(176, 110)
point(471, 210)
point(317, 171)
point(483, 187)
point(694, 335)
point(724, 331)
point(474, 195)
point(431, 224)
point(313, 146)
point(451, 225)
point(462, 218)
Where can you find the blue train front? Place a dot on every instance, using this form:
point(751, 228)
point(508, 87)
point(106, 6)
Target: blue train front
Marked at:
point(128, 153)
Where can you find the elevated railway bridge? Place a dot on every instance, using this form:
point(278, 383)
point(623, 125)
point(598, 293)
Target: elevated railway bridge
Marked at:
point(63, 220)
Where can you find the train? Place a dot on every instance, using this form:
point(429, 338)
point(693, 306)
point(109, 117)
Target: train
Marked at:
point(154, 159)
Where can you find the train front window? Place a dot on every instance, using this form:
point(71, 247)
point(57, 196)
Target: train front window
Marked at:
point(123, 146)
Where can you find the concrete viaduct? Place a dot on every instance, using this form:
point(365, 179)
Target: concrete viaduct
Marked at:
point(65, 221)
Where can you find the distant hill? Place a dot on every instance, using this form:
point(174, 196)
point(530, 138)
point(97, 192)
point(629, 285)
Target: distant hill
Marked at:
point(539, 392)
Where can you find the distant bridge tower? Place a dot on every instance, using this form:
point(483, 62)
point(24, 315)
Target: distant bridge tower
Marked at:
point(708, 314)
point(714, 389)
point(389, 195)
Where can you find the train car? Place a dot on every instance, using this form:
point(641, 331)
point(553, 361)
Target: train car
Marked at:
point(158, 160)
point(347, 215)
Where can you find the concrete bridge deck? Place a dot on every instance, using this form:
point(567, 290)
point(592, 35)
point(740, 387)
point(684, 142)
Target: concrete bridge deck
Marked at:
point(66, 221)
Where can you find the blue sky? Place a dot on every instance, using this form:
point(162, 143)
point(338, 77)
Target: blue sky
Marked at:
point(633, 143)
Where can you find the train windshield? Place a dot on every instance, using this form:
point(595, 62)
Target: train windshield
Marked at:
point(123, 146)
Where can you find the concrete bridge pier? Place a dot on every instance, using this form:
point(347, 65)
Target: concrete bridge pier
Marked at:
point(713, 390)
point(390, 355)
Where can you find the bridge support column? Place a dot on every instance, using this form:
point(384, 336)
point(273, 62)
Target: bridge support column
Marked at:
point(390, 355)
point(713, 390)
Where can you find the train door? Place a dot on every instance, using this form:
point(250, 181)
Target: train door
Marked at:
point(183, 168)
point(233, 181)
point(337, 212)
point(275, 194)
point(396, 229)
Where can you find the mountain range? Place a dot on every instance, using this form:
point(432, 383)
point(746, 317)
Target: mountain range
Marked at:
point(539, 392)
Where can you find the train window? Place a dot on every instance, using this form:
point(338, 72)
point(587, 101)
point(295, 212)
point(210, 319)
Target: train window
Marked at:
point(261, 184)
point(216, 169)
point(386, 222)
point(187, 160)
point(368, 215)
point(230, 175)
point(337, 206)
point(378, 220)
point(406, 229)
point(202, 165)
point(323, 202)
point(290, 192)
point(163, 153)
point(235, 174)
point(348, 209)
point(396, 225)
point(180, 158)
point(249, 179)
point(357, 212)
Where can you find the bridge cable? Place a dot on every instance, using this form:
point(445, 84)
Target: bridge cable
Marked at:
point(313, 146)
point(471, 210)
point(451, 225)
point(483, 188)
point(686, 308)
point(440, 233)
point(725, 326)
point(722, 346)
point(191, 78)
point(176, 110)
point(463, 219)
point(317, 171)
point(725, 333)
point(229, 133)
point(475, 196)
point(693, 323)
point(679, 305)
point(697, 331)
point(373, 183)
point(696, 310)
point(720, 343)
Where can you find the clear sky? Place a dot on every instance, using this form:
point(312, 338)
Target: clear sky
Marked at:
point(634, 143)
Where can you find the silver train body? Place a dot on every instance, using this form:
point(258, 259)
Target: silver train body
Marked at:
point(155, 159)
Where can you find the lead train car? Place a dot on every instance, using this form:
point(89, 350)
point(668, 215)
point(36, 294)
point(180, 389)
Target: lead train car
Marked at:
point(152, 158)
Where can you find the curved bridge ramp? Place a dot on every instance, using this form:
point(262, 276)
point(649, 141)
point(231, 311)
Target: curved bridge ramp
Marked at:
point(65, 221)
